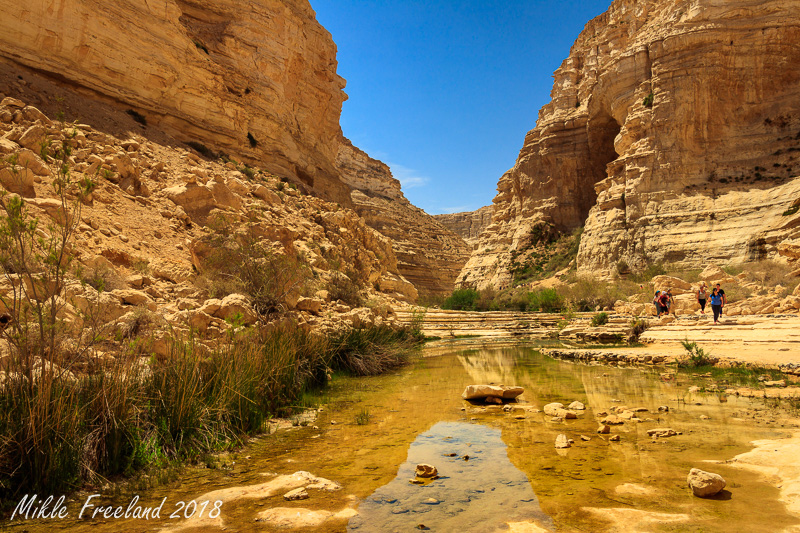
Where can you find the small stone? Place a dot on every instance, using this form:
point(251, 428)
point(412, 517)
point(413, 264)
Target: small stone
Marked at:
point(615, 438)
point(585, 438)
point(604, 429)
point(663, 409)
point(576, 406)
point(426, 471)
point(562, 441)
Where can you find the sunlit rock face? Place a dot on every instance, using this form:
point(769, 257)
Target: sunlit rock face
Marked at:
point(429, 255)
point(256, 80)
point(672, 134)
point(467, 225)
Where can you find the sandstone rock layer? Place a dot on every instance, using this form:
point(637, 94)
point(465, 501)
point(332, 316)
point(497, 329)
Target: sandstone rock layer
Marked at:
point(255, 80)
point(467, 225)
point(672, 135)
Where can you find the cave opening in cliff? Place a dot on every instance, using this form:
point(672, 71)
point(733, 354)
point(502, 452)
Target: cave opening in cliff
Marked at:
point(602, 130)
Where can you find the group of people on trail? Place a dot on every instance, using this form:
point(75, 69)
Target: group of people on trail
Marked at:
point(663, 301)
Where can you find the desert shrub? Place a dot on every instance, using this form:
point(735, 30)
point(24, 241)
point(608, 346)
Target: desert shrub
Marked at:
point(648, 100)
point(248, 172)
point(600, 319)
point(461, 300)
point(545, 300)
point(695, 356)
point(770, 273)
point(344, 287)
point(239, 261)
point(637, 327)
point(588, 294)
point(487, 300)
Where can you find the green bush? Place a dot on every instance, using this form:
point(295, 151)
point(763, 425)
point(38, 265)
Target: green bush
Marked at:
point(462, 300)
point(600, 319)
point(648, 100)
point(545, 300)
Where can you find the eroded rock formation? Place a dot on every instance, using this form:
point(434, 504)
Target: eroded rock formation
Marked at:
point(428, 255)
point(256, 81)
point(467, 225)
point(672, 135)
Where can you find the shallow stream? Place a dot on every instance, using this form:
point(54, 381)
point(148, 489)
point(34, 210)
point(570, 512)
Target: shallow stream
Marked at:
point(499, 470)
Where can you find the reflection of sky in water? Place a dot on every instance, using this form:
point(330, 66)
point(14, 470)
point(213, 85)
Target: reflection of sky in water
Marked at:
point(483, 493)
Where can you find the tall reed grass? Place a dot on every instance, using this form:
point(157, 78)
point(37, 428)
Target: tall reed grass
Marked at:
point(58, 431)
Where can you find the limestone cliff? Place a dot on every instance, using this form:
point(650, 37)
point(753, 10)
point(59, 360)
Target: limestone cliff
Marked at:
point(256, 80)
point(428, 255)
point(467, 225)
point(672, 135)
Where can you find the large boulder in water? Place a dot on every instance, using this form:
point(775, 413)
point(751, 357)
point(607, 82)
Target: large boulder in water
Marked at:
point(481, 392)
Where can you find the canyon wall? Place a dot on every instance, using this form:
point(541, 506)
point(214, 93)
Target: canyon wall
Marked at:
point(256, 81)
point(673, 135)
point(428, 254)
point(469, 224)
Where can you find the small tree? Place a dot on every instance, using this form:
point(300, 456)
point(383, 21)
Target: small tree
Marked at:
point(36, 260)
point(240, 261)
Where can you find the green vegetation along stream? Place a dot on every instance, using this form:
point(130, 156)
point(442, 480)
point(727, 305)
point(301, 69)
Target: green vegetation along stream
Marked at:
point(499, 470)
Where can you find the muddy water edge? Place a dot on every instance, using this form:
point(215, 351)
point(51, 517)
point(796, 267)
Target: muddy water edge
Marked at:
point(498, 468)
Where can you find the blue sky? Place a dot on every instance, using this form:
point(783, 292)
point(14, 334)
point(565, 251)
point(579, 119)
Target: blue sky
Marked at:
point(444, 91)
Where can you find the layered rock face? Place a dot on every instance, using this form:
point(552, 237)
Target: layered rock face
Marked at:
point(255, 80)
point(467, 225)
point(672, 135)
point(428, 255)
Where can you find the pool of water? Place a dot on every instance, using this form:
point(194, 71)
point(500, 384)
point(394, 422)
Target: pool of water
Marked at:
point(498, 470)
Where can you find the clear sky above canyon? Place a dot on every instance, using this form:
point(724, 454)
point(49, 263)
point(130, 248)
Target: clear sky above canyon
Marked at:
point(444, 91)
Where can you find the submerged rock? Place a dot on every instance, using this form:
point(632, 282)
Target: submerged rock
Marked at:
point(296, 494)
point(480, 392)
point(705, 484)
point(662, 432)
point(426, 471)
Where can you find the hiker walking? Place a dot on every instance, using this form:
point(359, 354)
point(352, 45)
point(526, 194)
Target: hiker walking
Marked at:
point(670, 301)
point(702, 296)
point(657, 303)
point(717, 301)
point(724, 298)
point(663, 300)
